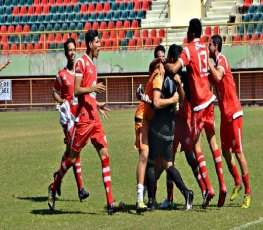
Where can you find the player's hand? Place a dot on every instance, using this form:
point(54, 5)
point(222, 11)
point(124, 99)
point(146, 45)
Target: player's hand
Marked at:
point(104, 111)
point(99, 88)
point(175, 97)
point(145, 98)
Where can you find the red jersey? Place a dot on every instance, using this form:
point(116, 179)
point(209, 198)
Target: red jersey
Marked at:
point(86, 69)
point(64, 83)
point(229, 104)
point(195, 58)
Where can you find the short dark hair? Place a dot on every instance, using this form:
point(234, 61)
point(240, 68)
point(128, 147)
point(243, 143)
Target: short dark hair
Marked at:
point(195, 27)
point(174, 51)
point(90, 36)
point(217, 40)
point(69, 40)
point(157, 49)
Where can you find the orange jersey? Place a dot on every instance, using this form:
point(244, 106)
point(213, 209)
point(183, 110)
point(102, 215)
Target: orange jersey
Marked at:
point(145, 111)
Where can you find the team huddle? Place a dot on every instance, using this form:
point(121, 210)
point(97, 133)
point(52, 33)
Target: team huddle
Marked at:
point(176, 107)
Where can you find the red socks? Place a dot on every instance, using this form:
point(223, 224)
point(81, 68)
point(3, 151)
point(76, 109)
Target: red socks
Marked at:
point(107, 179)
point(77, 172)
point(245, 180)
point(235, 175)
point(218, 166)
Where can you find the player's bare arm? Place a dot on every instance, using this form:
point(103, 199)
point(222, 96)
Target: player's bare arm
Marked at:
point(78, 90)
point(173, 67)
point(180, 88)
point(217, 74)
point(156, 62)
point(5, 64)
point(104, 111)
point(160, 103)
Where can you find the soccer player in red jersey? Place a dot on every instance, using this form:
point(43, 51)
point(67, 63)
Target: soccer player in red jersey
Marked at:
point(231, 118)
point(88, 124)
point(63, 93)
point(195, 58)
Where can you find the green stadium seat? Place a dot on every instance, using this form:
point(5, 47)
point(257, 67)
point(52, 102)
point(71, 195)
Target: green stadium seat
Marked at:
point(60, 10)
point(2, 10)
point(72, 26)
point(33, 28)
point(29, 2)
point(35, 38)
point(76, 9)
point(250, 29)
point(68, 9)
point(259, 28)
point(47, 19)
point(129, 35)
point(16, 20)
point(56, 27)
point(131, 15)
point(240, 30)
point(24, 20)
point(108, 16)
point(53, 10)
point(8, 20)
point(114, 6)
point(54, 19)
point(49, 27)
point(14, 2)
point(7, 3)
point(51, 47)
point(81, 37)
point(39, 19)
point(129, 6)
point(12, 39)
point(100, 17)
point(64, 26)
point(32, 20)
point(2, 20)
point(60, 46)
point(41, 27)
point(62, 18)
point(85, 18)
point(122, 6)
point(123, 44)
point(123, 15)
point(116, 16)
point(80, 26)
point(93, 17)
point(70, 18)
point(255, 17)
point(140, 15)
point(77, 17)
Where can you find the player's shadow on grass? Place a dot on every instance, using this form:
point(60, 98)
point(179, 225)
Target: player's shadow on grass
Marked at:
point(58, 212)
point(34, 199)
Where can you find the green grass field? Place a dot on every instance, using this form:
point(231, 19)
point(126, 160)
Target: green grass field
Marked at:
point(31, 147)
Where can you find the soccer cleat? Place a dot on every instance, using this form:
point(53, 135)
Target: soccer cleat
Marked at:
point(51, 198)
point(83, 194)
point(140, 207)
point(235, 192)
point(150, 205)
point(115, 207)
point(247, 201)
point(208, 197)
point(222, 197)
point(59, 184)
point(189, 200)
point(167, 205)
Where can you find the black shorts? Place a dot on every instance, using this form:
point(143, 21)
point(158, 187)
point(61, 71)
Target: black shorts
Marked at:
point(160, 148)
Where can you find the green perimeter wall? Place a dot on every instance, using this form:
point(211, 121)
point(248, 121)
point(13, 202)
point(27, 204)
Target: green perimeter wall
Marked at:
point(115, 62)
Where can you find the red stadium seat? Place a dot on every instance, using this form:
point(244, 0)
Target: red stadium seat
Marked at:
point(50, 38)
point(52, 2)
point(65, 37)
point(118, 25)
point(10, 29)
point(13, 48)
point(87, 26)
point(208, 31)
point(46, 9)
point(145, 34)
point(30, 10)
point(106, 7)
point(153, 33)
point(107, 45)
point(36, 2)
point(83, 9)
point(103, 25)
point(29, 48)
point(115, 45)
point(95, 25)
point(261, 39)
point(99, 8)
point(15, 10)
point(245, 39)
point(42, 38)
point(137, 6)
point(58, 38)
point(145, 5)
point(23, 11)
point(161, 33)
point(236, 40)
point(38, 9)
point(156, 41)
point(37, 48)
point(3, 29)
point(131, 44)
point(4, 39)
point(137, 33)
point(216, 30)
point(121, 35)
point(134, 24)
point(148, 44)
point(113, 35)
point(91, 8)
point(18, 29)
point(126, 24)
point(21, 48)
point(105, 35)
point(43, 2)
point(59, 2)
point(74, 36)
point(5, 49)
point(254, 39)
point(111, 25)
point(26, 29)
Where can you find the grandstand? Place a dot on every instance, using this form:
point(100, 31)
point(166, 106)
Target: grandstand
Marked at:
point(33, 32)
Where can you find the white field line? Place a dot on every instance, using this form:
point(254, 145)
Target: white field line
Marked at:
point(243, 226)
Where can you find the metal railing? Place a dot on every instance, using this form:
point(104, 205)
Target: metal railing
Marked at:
point(120, 90)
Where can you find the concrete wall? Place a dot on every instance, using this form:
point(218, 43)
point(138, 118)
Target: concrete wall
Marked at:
point(115, 62)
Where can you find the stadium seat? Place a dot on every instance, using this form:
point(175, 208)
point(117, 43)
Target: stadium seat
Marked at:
point(2, 11)
point(254, 39)
point(49, 27)
point(72, 26)
point(53, 9)
point(131, 15)
point(76, 9)
point(15, 10)
point(240, 30)
point(118, 24)
point(140, 15)
point(85, 18)
point(114, 7)
point(129, 35)
point(129, 6)
point(156, 41)
point(236, 40)
point(131, 44)
point(245, 39)
point(123, 44)
point(54, 19)
point(39, 19)
point(8, 10)
point(100, 17)
point(81, 37)
point(3, 29)
point(148, 43)
point(134, 24)
point(111, 25)
point(60, 10)
point(37, 47)
point(216, 30)
point(107, 45)
point(21, 48)
point(9, 20)
point(121, 35)
point(139, 43)
point(116, 16)
point(35, 38)
point(80, 26)
point(65, 37)
point(126, 24)
point(108, 16)
point(45, 9)
point(259, 28)
point(93, 17)
point(18, 29)
point(162, 33)
point(38, 10)
point(145, 5)
point(105, 35)
point(10, 29)
point(153, 33)
point(250, 29)
point(87, 26)
point(68, 9)
point(41, 27)
point(208, 31)
point(145, 33)
point(83, 8)
point(99, 8)
point(70, 18)
point(95, 26)
point(30, 10)
point(56, 27)
point(261, 39)
point(50, 38)
point(16, 20)
point(106, 7)
point(13, 48)
point(137, 6)
point(122, 6)
point(24, 20)
point(5, 49)
point(113, 35)
point(31, 20)
point(137, 33)
point(26, 39)
point(91, 8)
point(103, 25)
point(26, 29)
point(124, 15)
point(47, 19)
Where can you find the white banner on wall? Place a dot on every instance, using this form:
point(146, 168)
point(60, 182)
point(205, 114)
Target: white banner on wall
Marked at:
point(5, 90)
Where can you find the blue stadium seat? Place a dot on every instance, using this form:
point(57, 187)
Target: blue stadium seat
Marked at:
point(33, 28)
point(100, 17)
point(35, 38)
point(62, 18)
point(8, 20)
point(14, 2)
point(140, 15)
point(64, 27)
point(41, 27)
point(93, 17)
point(56, 27)
point(16, 20)
point(53, 10)
point(108, 16)
point(60, 10)
point(72, 26)
point(77, 17)
point(54, 19)
point(39, 19)
point(80, 26)
point(70, 18)
point(76, 9)
point(2, 10)
point(116, 16)
point(85, 18)
point(47, 19)
point(240, 30)
point(124, 15)
point(24, 20)
point(259, 28)
point(49, 27)
point(131, 15)
point(8, 10)
point(122, 6)
point(129, 6)
point(32, 20)
point(250, 29)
